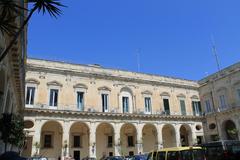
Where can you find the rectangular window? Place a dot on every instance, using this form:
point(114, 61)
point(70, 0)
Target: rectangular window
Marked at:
point(183, 107)
point(130, 141)
point(166, 106)
point(148, 105)
point(80, 101)
point(76, 141)
point(105, 102)
point(30, 95)
point(196, 106)
point(47, 140)
point(110, 141)
point(222, 101)
point(53, 101)
point(125, 103)
point(208, 106)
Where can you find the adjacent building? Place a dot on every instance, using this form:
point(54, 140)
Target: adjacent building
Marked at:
point(12, 76)
point(87, 110)
point(220, 99)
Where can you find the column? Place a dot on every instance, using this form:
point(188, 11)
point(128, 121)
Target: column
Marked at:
point(193, 135)
point(159, 136)
point(66, 139)
point(177, 131)
point(92, 140)
point(37, 138)
point(117, 139)
point(139, 145)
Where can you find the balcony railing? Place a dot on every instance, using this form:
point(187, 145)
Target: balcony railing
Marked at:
point(112, 110)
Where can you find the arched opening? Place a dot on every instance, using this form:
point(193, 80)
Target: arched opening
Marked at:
point(126, 100)
point(51, 140)
point(230, 130)
point(185, 135)
point(168, 136)
point(104, 140)
point(79, 140)
point(128, 140)
point(149, 136)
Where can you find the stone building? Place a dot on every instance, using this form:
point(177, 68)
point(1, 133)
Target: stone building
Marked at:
point(88, 110)
point(220, 98)
point(12, 76)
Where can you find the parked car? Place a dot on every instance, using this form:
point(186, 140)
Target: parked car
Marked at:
point(175, 153)
point(114, 158)
point(38, 158)
point(222, 150)
point(11, 156)
point(140, 157)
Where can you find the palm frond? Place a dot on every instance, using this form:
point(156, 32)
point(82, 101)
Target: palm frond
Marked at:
point(10, 7)
point(49, 6)
point(7, 26)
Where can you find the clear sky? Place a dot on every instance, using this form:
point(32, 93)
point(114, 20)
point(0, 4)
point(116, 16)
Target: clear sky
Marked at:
point(174, 36)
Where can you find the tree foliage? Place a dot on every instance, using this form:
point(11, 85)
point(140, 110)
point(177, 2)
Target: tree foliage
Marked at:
point(12, 129)
point(10, 11)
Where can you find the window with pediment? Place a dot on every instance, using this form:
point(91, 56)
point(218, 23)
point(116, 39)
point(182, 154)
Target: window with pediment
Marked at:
point(30, 92)
point(54, 90)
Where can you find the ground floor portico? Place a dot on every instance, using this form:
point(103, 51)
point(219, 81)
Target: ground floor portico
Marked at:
point(80, 134)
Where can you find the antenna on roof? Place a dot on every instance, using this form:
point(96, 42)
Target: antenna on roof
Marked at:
point(214, 49)
point(138, 59)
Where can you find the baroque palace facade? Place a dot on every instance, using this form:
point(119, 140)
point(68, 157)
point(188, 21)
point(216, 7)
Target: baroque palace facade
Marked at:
point(87, 110)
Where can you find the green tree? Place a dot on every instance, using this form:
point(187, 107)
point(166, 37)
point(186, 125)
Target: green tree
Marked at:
point(10, 10)
point(12, 129)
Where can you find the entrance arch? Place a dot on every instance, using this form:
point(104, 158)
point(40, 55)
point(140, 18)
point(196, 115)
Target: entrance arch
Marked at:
point(104, 140)
point(230, 130)
point(169, 136)
point(185, 135)
point(149, 136)
point(128, 139)
point(79, 140)
point(51, 140)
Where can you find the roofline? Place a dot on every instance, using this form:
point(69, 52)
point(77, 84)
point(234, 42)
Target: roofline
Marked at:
point(218, 73)
point(92, 66)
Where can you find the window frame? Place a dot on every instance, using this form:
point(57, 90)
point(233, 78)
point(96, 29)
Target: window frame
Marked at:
point(147, 106)
point(83, 100)
point(109, 145)
point(130, 142)
point(181, 107)
point(52, 140)
point(80, 141)
point(124, 107)
point(49, 97)
point(105, 108)
point(35, 94)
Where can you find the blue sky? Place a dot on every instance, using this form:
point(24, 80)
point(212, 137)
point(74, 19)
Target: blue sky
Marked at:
point(174, 36)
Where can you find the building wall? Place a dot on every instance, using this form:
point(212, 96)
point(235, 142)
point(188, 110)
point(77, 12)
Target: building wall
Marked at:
point(225, 83)
point(12, 77)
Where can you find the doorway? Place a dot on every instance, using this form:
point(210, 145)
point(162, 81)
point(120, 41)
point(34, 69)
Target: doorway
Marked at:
point(76, 155)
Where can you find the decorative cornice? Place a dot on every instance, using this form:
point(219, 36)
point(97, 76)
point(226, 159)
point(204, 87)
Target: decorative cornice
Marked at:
point(80, 85)
point(104, 88)
point(32, 80)
point(110, 74)
point(109, 115)
point(54, 83)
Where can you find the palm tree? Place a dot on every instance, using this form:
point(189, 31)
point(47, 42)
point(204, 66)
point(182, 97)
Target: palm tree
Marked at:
point(9, 11)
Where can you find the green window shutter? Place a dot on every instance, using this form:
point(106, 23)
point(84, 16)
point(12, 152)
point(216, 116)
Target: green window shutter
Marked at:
point(193, 108)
